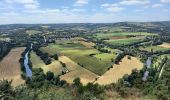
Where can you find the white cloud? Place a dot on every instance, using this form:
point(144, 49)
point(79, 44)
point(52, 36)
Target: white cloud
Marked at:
point(22, 1)
point(81, 2)
point(157, 5)
point(112, 7)
point(134, 2)
point(105, 5)
point(165, 1)
point(139, 10)
point(77, 10)
point(115, 9)
point(28, 4)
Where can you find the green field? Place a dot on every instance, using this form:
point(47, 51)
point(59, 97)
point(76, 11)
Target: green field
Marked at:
point(154, 48)
point(80, 54)
point(109, 35)
point(123, 41)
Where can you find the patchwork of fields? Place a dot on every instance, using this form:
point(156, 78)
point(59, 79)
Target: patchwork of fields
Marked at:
point(81, 55)
point(10, 66)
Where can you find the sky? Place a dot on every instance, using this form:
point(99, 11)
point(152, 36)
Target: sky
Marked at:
point(83, 11)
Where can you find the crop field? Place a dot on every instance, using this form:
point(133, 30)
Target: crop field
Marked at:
point(54, 67)
point(10, 66)
point(121, 34)
point(76, 71)
point(81, 54)
point(118, 71)
point(154, 48)
point(123, 41)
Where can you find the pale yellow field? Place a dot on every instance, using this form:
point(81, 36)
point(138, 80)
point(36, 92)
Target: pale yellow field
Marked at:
point(87, 44)
point(165, 45)
point(10, 67)
point(118, 71)
point(54, 67)
point(85, 75)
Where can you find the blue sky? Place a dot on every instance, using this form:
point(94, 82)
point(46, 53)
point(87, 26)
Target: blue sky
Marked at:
point(82, 11)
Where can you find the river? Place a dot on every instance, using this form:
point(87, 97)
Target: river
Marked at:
point(148, 65)
point(27, 67)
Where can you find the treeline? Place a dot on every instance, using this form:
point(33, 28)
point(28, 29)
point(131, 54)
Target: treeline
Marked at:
point(44, 56)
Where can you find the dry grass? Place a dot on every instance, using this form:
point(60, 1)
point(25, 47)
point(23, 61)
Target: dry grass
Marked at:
point(165, 45)
point(85, 75)
point(54, 67)
point(118, 71)
point(10, 66)
point(87, 44)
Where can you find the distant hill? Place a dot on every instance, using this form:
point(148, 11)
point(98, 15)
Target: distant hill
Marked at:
point(162, 27)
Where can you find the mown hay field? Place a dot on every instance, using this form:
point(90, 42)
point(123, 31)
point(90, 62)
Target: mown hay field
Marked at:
point(76, 71)
point(118, 71)
point(10, 66)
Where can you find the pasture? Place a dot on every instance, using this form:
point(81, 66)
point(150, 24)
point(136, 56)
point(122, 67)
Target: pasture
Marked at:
point(118, 71)
point(80, 54)
point(10, 66)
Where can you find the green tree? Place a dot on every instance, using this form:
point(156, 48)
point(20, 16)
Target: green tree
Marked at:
point(49, 76)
